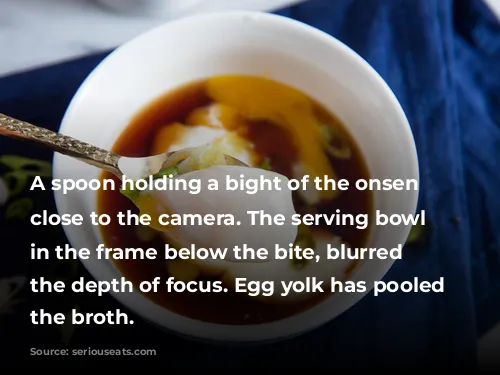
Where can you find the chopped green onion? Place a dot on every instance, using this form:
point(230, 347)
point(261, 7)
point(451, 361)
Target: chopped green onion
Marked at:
point(305, 238)
point(417, 233)
point(16, 181)
point(32, 167)
point(170, 172)
point(266, 164)
point(305, 242)
point(335, 143)
point(131, 194)
point(19, 209)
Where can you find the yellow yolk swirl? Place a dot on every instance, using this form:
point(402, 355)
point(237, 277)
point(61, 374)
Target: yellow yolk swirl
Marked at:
point(263, 99)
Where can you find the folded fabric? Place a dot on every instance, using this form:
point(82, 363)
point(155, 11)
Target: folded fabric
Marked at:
point(442, 60)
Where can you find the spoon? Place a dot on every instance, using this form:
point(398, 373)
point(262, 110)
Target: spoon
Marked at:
point(131, 167)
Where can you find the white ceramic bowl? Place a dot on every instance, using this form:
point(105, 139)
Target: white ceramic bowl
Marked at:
point(252, 44)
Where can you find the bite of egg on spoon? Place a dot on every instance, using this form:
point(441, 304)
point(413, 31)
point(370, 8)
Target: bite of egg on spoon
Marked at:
point(205, 162)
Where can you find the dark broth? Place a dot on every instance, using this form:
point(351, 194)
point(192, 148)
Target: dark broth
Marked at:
point(269, 141)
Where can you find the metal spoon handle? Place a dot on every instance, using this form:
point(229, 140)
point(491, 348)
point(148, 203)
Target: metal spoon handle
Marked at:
point(63, 144)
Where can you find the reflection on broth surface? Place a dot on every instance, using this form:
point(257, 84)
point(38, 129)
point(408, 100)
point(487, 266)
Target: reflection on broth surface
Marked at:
point(267, 125)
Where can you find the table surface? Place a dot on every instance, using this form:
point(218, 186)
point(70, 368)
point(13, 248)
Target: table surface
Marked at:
point(50, 31)
point(487, 354)
point(44, 37)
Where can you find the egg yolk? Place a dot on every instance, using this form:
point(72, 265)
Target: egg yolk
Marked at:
point(166, 136)
point(263, 99)
point(148, 205)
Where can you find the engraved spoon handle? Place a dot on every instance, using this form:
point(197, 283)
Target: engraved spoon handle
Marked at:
point(63, 144)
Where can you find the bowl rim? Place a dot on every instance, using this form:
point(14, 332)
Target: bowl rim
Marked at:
point(275, 330)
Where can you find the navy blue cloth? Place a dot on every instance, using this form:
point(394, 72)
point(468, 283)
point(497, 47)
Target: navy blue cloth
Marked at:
point(442, 60)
